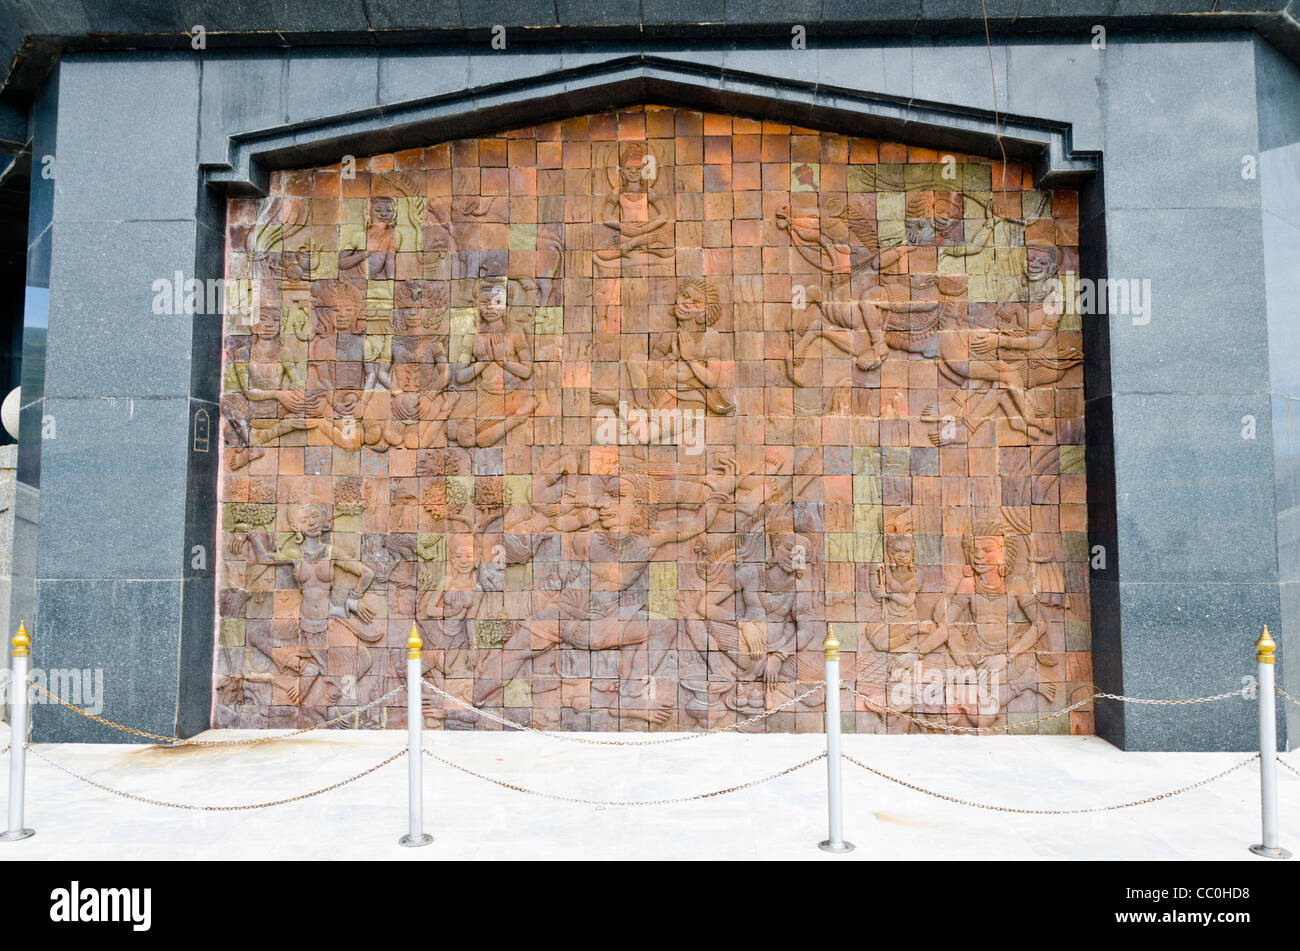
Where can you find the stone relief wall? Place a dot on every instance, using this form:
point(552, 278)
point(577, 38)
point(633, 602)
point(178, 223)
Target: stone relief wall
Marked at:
point(624, 412)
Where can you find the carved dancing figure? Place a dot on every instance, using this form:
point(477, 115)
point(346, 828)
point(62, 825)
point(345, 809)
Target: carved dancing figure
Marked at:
point(301, 668)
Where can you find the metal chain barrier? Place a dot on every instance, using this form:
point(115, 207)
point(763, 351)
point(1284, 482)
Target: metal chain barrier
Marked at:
point(1240, 692)
point(1288, 766)
point(177, 741)
point(178, 805)
point(1287, 695)
point(592, 742)
point(622, 802)
point(934, 725)
point(1050, 812)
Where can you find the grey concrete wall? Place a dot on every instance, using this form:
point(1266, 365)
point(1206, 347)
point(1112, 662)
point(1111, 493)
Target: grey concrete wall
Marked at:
point(1183, 505)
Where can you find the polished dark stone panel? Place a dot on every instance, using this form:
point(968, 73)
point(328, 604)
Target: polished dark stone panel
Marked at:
point(1191, 304)
point(1278, 88)
point(329, 82)
point(238, 90)
point(1276, 81)
point(112, 117)
point(112, 344)
point(1190, 640)
point(113, 488)
point(1172, 148)
point(128, 629)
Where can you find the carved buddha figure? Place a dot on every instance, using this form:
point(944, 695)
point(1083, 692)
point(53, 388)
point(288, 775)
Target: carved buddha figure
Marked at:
point(639, 219)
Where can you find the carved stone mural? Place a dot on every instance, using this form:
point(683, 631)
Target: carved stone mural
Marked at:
point(625, 412)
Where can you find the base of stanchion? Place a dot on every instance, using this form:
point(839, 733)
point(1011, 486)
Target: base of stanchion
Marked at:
point(1268, 853)
point(837, 849)
point(17, 836)
point(415, 841)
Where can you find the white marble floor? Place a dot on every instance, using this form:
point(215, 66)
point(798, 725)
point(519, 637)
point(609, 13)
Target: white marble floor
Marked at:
point(783, 819)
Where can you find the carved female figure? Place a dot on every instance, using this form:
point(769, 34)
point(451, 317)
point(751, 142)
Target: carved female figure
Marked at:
point(987, 625)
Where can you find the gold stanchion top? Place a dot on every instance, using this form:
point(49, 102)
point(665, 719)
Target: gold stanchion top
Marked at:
point(831, 646)
point(413, 643)
point(1264, 647)
point(21, 641)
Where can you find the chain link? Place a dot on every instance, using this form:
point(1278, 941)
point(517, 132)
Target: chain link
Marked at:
point(1050, 812)
point(934, 725)
point(622, 802)
point(1240, 692)
point(177, 741)
point(594, 742)
point(1288, 766)
point(1287, 695)
point(178, 805)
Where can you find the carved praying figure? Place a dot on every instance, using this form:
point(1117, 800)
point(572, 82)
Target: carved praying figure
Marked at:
point(894, 582)
point(502, 363)
point(698, 348)
point(459, 597)
point(663, 399)
point(379, 253)
point(775, 601)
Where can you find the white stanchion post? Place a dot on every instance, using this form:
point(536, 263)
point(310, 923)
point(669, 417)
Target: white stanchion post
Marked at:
point(1264, 650)
point(416, 836)
point(834, 804)
point(18, 735)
